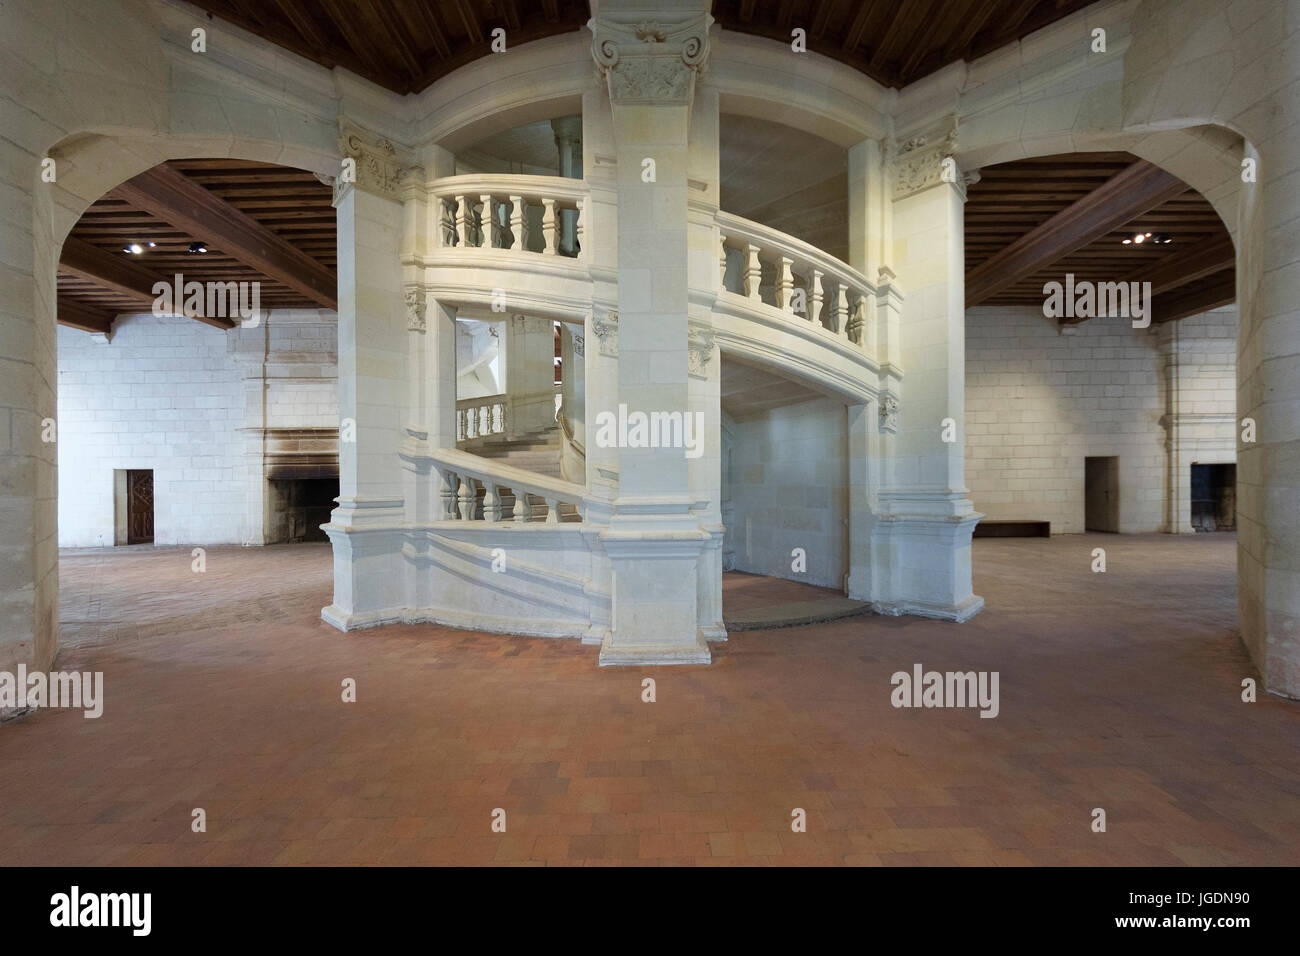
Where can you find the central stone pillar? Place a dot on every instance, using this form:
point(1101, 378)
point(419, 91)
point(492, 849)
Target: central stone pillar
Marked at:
point(925, 516)
point(654, 541)
point(365, 528)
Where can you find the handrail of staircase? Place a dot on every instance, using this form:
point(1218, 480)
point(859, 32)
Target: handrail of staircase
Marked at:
point(482, 417)
point(460, 473)
point(836, 294)
point(487, 210)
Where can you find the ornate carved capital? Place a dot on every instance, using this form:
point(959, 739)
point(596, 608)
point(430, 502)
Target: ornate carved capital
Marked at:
point(650, 61)
point(579, 344)
point(376, 166)
point(699, 350)
point(606, 330)
point(888, 413)
point(922, 161)
point(414, 298)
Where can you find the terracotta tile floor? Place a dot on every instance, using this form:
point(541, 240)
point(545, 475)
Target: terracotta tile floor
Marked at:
point(223, 692)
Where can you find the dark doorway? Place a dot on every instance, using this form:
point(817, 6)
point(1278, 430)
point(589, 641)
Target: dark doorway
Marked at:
point(1214, 497)
point(139, 507)
point(1101, 494)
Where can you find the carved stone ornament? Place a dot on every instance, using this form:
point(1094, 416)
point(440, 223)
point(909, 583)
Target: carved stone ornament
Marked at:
point(919, 161)
point(888, 413)
point(579, 344)
point(699, 350)
point(650, 62)
point(414, 298)
point(378, 169)
point(606, 330)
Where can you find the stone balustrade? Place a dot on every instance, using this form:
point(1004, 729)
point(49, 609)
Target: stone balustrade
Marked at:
point(542, 214)
point(481, 417)
point(461, 475)
point(775, 269)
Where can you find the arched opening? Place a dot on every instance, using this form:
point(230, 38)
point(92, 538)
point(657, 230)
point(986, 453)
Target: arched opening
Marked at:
point(197, 369)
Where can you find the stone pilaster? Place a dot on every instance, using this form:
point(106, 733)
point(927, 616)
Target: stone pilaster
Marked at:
point(648, 60)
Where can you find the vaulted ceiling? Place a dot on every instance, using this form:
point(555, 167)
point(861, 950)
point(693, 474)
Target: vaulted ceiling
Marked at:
point(405, 45)
point(257, 221)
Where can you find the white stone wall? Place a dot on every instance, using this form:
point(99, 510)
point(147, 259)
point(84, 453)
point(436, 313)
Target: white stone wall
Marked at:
point(187, 401)
point(789, 489)
point(1038, 403)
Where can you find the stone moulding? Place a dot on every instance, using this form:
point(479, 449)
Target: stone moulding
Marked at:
point(378, 166)
point(650, 61)
point(918, 162)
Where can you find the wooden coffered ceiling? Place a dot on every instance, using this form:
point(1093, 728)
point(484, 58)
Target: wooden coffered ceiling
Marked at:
point(272, 224)
point(896, 42)
point(405, 45)
point(1032, 221)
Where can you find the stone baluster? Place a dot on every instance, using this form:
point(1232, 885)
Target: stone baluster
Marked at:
point(466, 498)
point(552, 511)
point(785, 285)
point(461, 434)
point(446, 223)
point(489, 229)
point(523, 509)
point(447, 493)
point(462, 222)
point(580, 228)
point(491, 502)
point(516, 223)
point(841, 307)
point(816, 288)
point(550, 234)
point(753, 272)
point(722, 262)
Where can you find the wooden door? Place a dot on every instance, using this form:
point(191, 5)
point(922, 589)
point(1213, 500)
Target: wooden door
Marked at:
point(139, 507)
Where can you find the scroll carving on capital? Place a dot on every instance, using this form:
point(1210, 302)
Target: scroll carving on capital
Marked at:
point(924, 160)
point(606, 331)
point(378, 167)
point(650, 61)
point(414, 298)
point(699, 350)
point(888, 413)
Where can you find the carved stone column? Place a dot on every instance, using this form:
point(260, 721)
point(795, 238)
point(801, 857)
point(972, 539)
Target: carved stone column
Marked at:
point(648, 59)
point(925, 517)
point(372, 366)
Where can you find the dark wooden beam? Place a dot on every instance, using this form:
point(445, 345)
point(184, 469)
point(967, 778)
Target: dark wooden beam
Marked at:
point(1128, 194)
point(853, 35)
point(114, 272)
point(473, 29)
point(434, 28)
point(172, 197)
point(746, 10)
point(302, 21)
point(81, 315)
point(1179, 305)
point(1205, 258)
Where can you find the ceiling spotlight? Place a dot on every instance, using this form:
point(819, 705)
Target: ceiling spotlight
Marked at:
point(1162, 238)
point(1139, 238)
point(152, 244)
point(1128, 242)
point(134, 248)
point(198, 247)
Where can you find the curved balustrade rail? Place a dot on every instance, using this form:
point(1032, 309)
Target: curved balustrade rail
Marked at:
point(542, 214)
point(461, 474)
point(768, 266)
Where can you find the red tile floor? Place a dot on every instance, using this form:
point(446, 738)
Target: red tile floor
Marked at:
point(1118, 690)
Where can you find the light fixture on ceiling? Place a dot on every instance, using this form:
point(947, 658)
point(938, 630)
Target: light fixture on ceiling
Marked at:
point(198, 247)
point(134, 248)
point(1140, 237)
